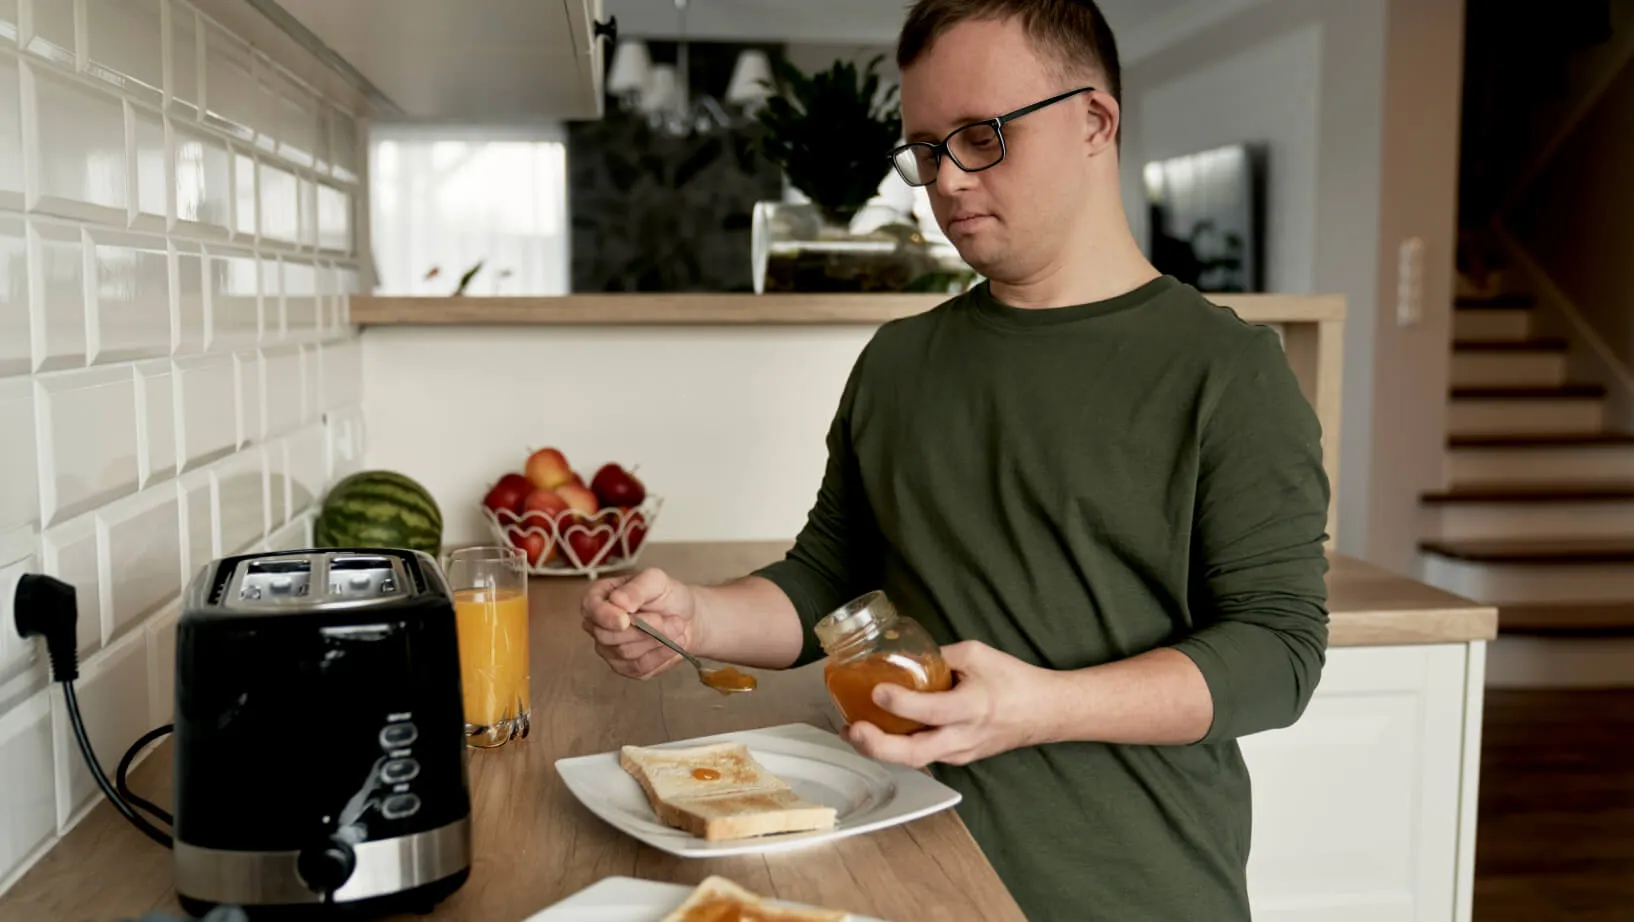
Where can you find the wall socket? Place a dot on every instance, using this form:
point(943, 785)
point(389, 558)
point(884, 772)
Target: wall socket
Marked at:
point(1410, 282)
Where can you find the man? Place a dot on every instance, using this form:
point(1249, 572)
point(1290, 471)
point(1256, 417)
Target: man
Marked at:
point(1101, 493)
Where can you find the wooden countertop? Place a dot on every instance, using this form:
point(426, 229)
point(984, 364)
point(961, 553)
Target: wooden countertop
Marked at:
point(535, 844)
point(694, 309)
point(1372, 607)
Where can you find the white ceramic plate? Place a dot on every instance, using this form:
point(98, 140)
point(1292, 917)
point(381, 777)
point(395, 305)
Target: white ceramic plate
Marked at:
point(626, 899)
point(822, 768)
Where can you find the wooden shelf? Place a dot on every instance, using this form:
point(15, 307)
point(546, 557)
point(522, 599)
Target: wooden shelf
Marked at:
point(702, 309)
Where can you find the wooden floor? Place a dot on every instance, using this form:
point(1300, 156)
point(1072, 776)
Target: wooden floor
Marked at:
point(1556, 828)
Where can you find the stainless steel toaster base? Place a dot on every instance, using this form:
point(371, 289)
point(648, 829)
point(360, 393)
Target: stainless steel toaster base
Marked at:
point(383, 867)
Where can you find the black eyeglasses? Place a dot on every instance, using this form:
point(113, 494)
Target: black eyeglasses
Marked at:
point(972, 148)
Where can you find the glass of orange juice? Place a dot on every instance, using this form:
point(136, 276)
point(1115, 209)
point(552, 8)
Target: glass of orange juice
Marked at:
point(490, 586)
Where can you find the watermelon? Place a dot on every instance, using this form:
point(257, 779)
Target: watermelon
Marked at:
point(379, 509)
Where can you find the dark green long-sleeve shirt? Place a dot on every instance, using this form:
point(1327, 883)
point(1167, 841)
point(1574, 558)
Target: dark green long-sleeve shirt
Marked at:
point(1075, 486)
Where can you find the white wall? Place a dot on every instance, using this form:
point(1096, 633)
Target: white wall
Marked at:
point(177, 376)
point(1268, 93)
point(1358, 104)
point(725, 423)
point(1418, 198)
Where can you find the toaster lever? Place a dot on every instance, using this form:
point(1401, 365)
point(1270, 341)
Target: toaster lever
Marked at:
point(326, 867)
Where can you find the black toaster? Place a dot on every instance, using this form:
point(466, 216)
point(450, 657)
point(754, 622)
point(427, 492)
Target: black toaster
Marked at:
point(320, 745)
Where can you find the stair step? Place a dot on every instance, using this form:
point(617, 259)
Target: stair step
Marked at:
point(1551, 461)
point(1561, 392)
point(1532, 363)
point(1523, 410)
point(1532, 572)
point(1545, 344)
point(1545, 440)
point(1533, 493)
point(1536, 551)
point(1500, 324)
point(1582, 619)
point(1497, 302)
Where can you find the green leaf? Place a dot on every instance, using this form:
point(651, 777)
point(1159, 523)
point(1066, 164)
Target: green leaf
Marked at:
point(830, 132)
point(470, 274)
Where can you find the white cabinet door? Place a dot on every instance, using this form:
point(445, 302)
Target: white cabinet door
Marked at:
point(588, 50)
point(1356, 806)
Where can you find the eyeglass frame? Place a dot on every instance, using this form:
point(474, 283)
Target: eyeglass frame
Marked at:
point(939, 149)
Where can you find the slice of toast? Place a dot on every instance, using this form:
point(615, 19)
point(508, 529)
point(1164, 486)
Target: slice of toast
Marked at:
point(718, 791)
point(718, 898)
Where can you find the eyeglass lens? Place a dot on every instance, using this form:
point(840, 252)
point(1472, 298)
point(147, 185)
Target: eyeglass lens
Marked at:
point(973, 147)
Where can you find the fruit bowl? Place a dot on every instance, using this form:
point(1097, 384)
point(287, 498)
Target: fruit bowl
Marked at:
point(576, 543)
point(565, 527)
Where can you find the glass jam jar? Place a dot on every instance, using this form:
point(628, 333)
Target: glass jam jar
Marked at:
point(869, 642)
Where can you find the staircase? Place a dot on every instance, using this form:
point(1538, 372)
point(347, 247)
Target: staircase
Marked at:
point(1538, 514)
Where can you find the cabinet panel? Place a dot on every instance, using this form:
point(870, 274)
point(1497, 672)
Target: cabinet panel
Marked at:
point(1356, 805)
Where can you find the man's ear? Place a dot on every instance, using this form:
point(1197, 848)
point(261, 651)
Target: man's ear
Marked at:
point(1102, 118)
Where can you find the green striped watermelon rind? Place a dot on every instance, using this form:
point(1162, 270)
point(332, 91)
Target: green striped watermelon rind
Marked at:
point(379, 509)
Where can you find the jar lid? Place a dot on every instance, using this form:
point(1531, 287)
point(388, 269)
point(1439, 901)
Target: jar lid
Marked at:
point(861, 617)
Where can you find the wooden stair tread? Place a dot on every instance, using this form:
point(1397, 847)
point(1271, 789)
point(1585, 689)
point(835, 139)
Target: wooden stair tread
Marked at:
point(1543, 344)
point(1536, 550)
point(1582, 619)
point(1565, 392)
point(1533, 493)
point(1542, 440)
point(1496, 302)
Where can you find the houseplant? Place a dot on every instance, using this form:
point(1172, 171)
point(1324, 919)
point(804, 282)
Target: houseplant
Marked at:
point(830, 133)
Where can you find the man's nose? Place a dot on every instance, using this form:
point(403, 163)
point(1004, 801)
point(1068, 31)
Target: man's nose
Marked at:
point(950, 178)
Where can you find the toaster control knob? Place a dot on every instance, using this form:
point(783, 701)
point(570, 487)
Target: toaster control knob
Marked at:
point(325, 868)
point(396, 736)
point(398, 806)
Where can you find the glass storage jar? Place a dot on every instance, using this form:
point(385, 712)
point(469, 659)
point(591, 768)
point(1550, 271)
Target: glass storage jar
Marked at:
point(868, 642)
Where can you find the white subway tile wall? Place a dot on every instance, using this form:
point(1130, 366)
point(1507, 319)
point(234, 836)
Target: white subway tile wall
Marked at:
point(177, 377)
point(14, 325)
point(11, 132)
point(56, 276)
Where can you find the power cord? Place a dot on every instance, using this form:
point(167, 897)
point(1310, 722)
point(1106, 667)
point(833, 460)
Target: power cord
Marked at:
point(142, 803)
point(46, 607)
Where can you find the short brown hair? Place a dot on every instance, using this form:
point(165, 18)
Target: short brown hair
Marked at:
point(1072, 32)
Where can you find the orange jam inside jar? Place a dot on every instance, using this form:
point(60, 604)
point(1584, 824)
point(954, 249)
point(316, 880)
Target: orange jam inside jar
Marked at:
point(868, 642)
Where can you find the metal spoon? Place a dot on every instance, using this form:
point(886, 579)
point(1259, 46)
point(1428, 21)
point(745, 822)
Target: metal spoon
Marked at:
point(724, 679)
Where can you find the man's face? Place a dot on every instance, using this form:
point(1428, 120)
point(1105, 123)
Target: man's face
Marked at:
point(1005, 221)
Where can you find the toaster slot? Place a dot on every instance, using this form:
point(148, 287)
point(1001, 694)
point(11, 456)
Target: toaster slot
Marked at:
point(363, 576)
point(272, 578)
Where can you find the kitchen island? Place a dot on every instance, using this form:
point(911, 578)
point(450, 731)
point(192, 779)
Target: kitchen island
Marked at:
point(1363, 809)
point(723, 400)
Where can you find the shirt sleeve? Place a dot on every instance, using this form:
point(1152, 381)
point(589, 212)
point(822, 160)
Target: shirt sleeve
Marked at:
point(836, 555)
point(1258, 568)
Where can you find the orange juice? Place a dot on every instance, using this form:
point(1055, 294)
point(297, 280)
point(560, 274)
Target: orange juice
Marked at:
point(493, 631)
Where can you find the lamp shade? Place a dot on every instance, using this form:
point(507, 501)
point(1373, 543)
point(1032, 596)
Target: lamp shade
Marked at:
point(660, 93)
point(630, 66)
point(745, 89)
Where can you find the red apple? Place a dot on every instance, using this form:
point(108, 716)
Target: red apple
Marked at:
point(547, 469)
point(508, 493)
point(578, 498)
point(615, 486)
point(548, 502)
point(587, 545)
point(635, 534)
point(532, 544)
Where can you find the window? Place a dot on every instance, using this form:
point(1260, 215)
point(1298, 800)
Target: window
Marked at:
point(445, 199)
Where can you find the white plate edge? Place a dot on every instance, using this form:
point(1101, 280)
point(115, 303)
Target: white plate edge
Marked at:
point(667, 895)
point(935, 795)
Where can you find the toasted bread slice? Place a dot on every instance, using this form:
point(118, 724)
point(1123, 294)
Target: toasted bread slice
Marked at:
point(719, 899)
point(719, 791)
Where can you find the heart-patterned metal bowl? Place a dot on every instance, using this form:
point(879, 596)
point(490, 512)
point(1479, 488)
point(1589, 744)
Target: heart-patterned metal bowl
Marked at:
point(576, 543)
